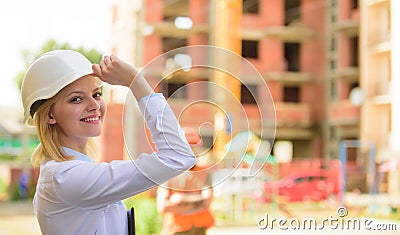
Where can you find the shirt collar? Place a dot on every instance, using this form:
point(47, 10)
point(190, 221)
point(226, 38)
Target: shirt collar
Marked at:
point(78, 156)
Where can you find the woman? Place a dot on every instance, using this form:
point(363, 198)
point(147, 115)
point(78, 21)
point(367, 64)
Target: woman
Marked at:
point(185, 201)
point(62, 98)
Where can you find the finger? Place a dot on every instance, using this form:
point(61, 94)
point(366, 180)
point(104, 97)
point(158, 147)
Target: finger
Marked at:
point(113, 57)
point(97, 70)
point(107, 60)
point(103, 65)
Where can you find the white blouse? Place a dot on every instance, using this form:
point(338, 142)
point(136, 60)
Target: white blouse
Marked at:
point(83, 197)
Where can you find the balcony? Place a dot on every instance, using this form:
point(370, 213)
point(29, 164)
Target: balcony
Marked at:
point(202, 112)
point(349, 74)
point(253, 34)
point(382, 87)
point(192, 115)
point(293, 121)
point(349, 132)
point(380, 92)
point(289, 78)
point(174, 8)
point(294, 133)
point(293, 114)
point(377, 2)
point(176, 72)
point(349, 27)
point(344, 113)
point(379, 42)
point(168, 29)
point(292, 33)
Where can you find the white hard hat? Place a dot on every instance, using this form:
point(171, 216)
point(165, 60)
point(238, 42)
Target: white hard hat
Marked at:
point(47, 75)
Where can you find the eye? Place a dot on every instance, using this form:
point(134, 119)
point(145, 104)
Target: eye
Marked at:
point(76, 100)
point(97, 95)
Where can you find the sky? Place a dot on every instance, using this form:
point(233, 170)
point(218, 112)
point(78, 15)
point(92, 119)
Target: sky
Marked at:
point(28, 24)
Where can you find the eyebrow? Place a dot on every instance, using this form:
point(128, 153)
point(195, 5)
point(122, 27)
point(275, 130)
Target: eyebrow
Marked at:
point(82, 92)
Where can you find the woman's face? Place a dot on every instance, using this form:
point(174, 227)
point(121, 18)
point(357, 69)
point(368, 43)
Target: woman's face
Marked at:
point(79, 110)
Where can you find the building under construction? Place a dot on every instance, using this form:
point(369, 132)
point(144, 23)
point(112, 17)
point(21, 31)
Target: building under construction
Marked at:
point(307, 52)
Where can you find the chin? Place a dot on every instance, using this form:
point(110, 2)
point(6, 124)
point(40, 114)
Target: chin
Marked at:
point(93, 133)
point(96, 134)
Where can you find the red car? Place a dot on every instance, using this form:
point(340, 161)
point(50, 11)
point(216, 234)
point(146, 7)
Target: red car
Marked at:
point(300, 186)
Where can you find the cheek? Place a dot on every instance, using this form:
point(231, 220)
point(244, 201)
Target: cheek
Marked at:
point(103, 109)
point(66, 114)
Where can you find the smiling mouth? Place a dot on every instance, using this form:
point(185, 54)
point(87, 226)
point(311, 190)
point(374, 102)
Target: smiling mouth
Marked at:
point(91, 119)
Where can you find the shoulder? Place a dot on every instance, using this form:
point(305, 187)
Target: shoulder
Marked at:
point(54, 168)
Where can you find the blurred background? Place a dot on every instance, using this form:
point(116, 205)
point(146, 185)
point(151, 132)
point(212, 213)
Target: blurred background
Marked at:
point(328, 65)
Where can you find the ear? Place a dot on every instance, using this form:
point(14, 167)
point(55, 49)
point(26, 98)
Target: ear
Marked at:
point(51, 120)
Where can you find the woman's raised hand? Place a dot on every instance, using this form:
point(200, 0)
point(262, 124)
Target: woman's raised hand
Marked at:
point(115, 71)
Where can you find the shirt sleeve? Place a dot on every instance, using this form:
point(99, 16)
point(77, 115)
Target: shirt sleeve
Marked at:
point(86, 184)
point(166, 133)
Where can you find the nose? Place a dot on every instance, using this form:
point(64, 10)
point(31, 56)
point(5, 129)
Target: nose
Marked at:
point(93, 104)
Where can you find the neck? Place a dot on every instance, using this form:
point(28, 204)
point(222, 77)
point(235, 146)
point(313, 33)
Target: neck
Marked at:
point(79, 146)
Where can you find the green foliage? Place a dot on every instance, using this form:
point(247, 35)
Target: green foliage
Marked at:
point(29, 56)
point(148, 220)
point(15, 194)
point(7, 157)
point(3, 188)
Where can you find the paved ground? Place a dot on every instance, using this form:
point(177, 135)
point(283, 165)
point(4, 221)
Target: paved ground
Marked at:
point(256, 231)
point(19, 224)
point(17, 218)
point(27, 225)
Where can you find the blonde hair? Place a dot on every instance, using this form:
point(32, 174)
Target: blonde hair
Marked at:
point(50, 147)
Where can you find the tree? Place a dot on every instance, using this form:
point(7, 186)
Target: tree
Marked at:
point(93, 55)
